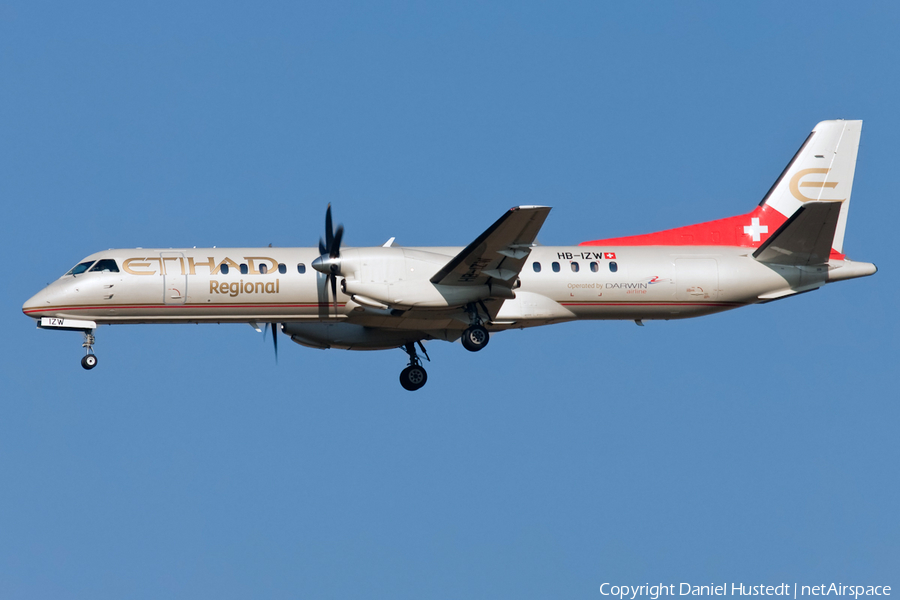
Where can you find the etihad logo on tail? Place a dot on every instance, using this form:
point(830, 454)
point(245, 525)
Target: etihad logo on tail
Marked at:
point(798, 181)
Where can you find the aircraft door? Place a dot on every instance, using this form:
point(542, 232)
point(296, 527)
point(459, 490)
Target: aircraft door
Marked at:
point(174, 277)
point(696, 279)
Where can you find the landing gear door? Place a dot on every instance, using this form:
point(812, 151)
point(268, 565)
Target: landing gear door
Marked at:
point(696, 279)
point(174, 277)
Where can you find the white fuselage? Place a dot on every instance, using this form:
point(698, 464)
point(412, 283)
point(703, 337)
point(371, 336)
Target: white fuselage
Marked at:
point(387, 297)
point(574, 282)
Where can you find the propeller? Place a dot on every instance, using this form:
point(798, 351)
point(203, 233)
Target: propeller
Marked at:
point(274, 337)
point(329, 262)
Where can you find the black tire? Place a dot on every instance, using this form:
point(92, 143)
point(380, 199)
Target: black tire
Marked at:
point(413, 378)
point(89, 362)
point(475, 338)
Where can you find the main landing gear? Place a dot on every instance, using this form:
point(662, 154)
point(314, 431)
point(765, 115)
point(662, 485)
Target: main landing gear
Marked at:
point(414, 376)
point(90, 359)
point(476, 336)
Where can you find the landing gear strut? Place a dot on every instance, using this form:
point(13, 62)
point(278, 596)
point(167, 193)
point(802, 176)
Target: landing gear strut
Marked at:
point(90, 360)
point(476, 336)
point(413, 376)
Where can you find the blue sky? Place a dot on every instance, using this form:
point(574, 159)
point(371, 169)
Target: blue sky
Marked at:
point(758, 445)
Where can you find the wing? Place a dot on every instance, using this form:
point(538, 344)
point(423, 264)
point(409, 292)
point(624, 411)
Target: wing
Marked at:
point(497, 255)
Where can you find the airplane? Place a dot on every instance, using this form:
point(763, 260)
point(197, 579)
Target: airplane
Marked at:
point(388, 297)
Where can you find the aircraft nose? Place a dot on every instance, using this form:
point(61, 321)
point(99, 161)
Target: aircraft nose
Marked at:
point(34, 305)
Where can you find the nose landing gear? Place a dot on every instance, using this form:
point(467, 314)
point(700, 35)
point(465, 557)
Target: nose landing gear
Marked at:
point(413, 377)
point(90, 359)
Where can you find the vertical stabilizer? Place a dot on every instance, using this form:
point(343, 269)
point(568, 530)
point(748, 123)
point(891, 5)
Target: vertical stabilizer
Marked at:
point(821, 171)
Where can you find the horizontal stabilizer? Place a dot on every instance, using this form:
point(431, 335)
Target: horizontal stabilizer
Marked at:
point(805, 238)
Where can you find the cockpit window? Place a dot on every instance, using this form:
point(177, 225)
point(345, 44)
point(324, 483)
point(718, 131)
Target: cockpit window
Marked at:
point(107, 265)
point(80, 268)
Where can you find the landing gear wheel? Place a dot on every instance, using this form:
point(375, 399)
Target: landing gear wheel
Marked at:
point(89, 362)
point(475, 338)
point(413, 377)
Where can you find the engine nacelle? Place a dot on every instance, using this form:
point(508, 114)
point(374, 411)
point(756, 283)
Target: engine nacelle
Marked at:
point(400, 278)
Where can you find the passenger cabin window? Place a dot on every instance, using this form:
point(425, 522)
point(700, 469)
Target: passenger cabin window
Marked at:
point(107, 265)
point(574, 267)
point(80, 268)
point(595, 266)
point(613, 267)
point(555, 266)
point(244, 269)
point(282, 268)
point(536, 266)
point(223, 269)
point(263, 269)
point(301, 268)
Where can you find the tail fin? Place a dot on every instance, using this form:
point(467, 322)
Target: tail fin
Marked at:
point(821, 171)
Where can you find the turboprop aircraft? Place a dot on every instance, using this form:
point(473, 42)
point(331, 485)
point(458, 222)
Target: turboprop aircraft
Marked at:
point(396, 297)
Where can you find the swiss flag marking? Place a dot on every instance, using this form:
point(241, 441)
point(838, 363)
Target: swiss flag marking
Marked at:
point(755, 229)
point(609, 255)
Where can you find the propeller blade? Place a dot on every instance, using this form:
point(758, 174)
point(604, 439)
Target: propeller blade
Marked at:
point(275, 340)
point(335, 250)
point(274, 337)
point(330, 246)
point(334, 291)
point(329, 232)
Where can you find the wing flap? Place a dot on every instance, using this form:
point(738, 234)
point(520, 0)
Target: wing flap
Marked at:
point(497, 255)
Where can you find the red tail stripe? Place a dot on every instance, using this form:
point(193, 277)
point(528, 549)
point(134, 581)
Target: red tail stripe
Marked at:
point(733, 231)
